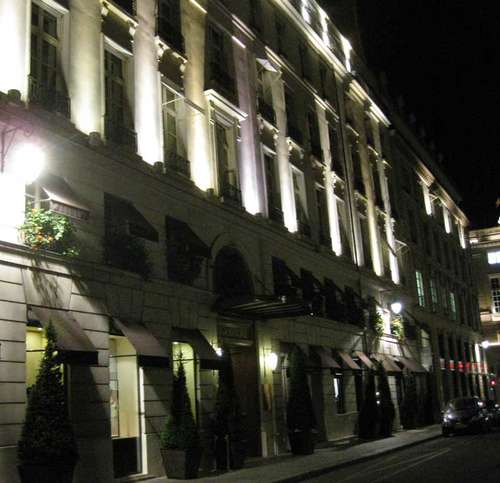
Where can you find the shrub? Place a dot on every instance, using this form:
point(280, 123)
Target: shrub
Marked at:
point(180, 430)
point(47, 230)
point(409, 405)
point(47, 435)
point(397, 328)
point(300, 413)
point(369, 413)
point(127, 252)
point(387, 411)
point(375, 321)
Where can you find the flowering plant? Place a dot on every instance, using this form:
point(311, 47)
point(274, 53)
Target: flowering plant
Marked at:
point(47, 230)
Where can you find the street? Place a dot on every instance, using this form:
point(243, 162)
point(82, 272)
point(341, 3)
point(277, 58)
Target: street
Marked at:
point(459, 459)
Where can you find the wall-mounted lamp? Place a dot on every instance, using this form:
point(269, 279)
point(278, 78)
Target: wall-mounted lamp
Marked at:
point(25, 162)
point(219, 351)
point(271, 360)
point(485, 344)
point(396, 308)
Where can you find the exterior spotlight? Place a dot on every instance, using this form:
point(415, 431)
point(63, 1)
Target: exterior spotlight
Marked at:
point(272, 361)
point(485, 344)
point(27, 162)
point(218, 351)
point(396, 307)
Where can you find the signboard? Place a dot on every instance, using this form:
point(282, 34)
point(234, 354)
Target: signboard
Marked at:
point(451, 365)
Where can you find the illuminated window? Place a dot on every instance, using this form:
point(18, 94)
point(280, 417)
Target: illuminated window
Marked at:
point(324, 225)
point(299, 191)
point(453, 306)
point(344, 228)
point(225, 151)
point(446, 220)
point(429, 206)
point(35, 345)
point(434, 294)
point(273, 187)
point(495, 295)
point(339, 393)
point(494, 257)
point(420, 288)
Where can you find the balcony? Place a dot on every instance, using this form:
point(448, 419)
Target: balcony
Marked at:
point(48, 97)
point(295, 133)
point(118, 133)
point(267, 111)
point(230, 193)
point(171, 34)
point(178, 163)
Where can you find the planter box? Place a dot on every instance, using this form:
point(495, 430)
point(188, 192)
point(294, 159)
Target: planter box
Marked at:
point(181, 464)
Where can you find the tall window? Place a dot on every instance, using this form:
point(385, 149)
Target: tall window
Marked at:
point(359, 185)
point(376, 183)
point(219, 63)
point(35, 345)
point(494, 257)
point(273, 189)
point(434, 294)
point(365, 238)
point(495, 295)
point(345, 234)
point(337, 163)
point(324, 231)
point(314, 137)
point(169, 23)
point(305, 65)
point(453, 306)
point(280, 35)
point(339, 393)
point(226, 162)
point(299, 190)
point(420, 288)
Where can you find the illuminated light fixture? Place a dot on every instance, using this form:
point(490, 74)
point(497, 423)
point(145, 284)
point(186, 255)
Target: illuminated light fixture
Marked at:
point(198, 6)
point(271, 361)
point(346, 47)
point(238, 42)
point(485, 344)
point(26, 162)
point(396, 307)
point(218, 351)
point(266, 64)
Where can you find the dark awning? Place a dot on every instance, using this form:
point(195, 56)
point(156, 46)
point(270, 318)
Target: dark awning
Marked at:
point(364, 359)
point(73, 344)
point(348, 361)
point(411, 364)
point(120, 211)
point(325, 357)
point(262, 306)
point(205, 353)
point(184, 233)
point(61, 197)
point(387, 363)
point(150, 353)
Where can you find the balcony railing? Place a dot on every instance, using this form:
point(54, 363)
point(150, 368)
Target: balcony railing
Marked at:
point(295, 133)
point(117, 132)
point(267, 111)
point(178, 163)
point(171, 34)
point(230, 193)
point(48, 97)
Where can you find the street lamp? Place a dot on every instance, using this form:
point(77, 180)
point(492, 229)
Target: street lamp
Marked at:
point(26, 162)
point(271, 360)
point(396, 308)
point(485, 344)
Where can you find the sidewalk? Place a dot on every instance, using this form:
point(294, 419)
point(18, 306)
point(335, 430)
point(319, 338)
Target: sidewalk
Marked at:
point(288, 468)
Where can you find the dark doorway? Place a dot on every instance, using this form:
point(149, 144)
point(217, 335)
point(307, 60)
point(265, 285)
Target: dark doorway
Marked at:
point(246, 379)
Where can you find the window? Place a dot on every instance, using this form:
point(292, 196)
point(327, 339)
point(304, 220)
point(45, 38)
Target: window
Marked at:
point(280, 36)
point(314, 137)
point(174, 132)
point(446, 220)
point(339, 393)
point(324, 231)
point(337, 163)
point(273, 188)
point(359, 185)
point(453, 306)
point(495, 295)
point(376, 183)
point(46, 85)
point(35, 345)
point(219, 58)
point(344, 228)
point(118, 118)
point(299, 190)
point(434, 294)
point(420, 288)
point(323, 73)
point(494, 257)
point(305, 65)
point(365, 239)
point(226, 162)
point(255, 15)
point(169, 23)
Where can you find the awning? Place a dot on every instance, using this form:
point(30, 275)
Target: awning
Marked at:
point(183, 233)
point(325, 357)
point(119, 211)
point(62, 198)
point(150, 353)
point(262, 306)
point(348, 361)
point(204, 351)
point(364, 359)
point(411, 364)
point(387, 363)
point(73, 344)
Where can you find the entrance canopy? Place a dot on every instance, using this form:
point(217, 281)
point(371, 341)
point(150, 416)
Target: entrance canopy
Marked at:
point(73, 344)
point(387, 363)
point(324, 355)
point(364, 359)
point(411, 364)
point(348, 362)
point(204, 351)
point(150, 353)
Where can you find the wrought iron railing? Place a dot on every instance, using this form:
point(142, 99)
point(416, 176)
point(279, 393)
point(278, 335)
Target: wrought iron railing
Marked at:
point(48, 97)
point(178, 163)
point(117, 132)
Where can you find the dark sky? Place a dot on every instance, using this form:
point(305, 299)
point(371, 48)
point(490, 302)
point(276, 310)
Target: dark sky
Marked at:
point(443, 57)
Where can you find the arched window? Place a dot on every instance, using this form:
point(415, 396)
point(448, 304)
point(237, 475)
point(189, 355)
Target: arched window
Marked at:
point(232, 276)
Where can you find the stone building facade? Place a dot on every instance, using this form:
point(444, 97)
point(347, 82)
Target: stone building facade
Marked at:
point(279, 197)
point(485, 246)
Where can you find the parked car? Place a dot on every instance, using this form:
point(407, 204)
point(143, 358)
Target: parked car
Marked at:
point(493, 409)
point(465, 414)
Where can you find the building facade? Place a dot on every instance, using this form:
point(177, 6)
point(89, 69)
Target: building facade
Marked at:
point(485, 245)
point(237, 182)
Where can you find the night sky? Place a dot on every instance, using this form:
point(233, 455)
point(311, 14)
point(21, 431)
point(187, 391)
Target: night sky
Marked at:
point(443, 57)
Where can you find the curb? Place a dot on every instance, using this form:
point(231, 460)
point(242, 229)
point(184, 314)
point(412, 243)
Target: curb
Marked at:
point(327, 469)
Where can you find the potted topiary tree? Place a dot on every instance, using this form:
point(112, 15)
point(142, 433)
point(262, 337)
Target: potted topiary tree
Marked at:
point(47, 449)
point(181, 451)
point(228, 423)
point(369, 414)
point(387, 411)
point(299, 414)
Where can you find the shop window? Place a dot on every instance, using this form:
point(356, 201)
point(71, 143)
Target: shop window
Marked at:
point(185, 353)
point(339, 393)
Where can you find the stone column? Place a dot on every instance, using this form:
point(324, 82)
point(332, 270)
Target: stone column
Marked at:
point(85, 69)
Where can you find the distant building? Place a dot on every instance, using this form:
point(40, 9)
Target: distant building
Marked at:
point(237, 183)
point(485, 245)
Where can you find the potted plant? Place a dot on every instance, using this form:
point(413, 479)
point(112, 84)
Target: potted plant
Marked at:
point(300, 418)
point(47, 449)
point(369, 414)
point(375, 321)
point(387, 411)
point(180, 441)
point(228, 423)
